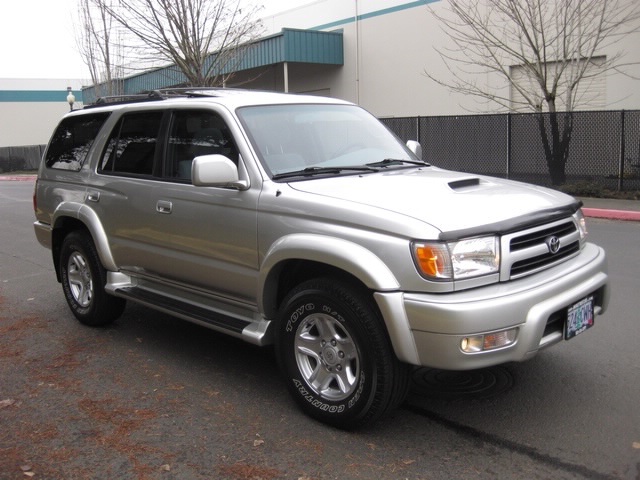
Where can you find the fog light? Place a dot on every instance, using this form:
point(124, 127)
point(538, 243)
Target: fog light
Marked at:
point(489, 341)
point(472, 344)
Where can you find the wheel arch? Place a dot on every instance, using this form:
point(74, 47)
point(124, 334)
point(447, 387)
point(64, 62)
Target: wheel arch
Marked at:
point(70, 217)
point(299, 257)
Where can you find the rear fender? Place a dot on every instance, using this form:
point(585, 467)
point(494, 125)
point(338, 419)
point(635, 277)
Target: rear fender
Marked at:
point(90, 220)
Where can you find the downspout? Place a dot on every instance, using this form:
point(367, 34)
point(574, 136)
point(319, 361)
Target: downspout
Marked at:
point(286, 77)
point(357, 54)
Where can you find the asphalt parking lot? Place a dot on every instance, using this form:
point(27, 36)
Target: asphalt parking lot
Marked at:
point(152, 397)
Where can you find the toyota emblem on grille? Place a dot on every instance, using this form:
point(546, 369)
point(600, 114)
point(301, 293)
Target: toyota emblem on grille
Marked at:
point(553, 243)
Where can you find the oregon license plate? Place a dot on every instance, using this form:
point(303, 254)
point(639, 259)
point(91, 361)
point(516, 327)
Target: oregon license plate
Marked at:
point(579, 318)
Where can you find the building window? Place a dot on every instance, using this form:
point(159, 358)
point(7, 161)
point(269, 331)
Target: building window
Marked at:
point(590, 93)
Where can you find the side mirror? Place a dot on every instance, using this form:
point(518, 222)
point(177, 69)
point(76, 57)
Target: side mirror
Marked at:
point(415, 147)
point(216, 171)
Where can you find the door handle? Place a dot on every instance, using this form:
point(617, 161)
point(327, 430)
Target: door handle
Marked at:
point(93, 196)
point(164, 206)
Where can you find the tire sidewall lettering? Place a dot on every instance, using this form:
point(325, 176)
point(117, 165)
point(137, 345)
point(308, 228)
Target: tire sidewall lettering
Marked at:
point(356, 396)
point(325, 407)
point(330, 301)
point(297, 314)
point(313, 401)
point(329, 310)
point(301, 387)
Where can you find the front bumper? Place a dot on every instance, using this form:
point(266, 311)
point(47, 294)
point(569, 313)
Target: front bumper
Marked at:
point(427, 329)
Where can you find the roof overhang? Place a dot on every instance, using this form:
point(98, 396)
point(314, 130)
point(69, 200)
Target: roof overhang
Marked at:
point(292, 45)
point(288, 46)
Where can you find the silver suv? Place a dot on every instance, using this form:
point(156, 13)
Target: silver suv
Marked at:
point(303, 222)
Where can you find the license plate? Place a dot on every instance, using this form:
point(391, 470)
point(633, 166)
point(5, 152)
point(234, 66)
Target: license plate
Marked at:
point(579, 318)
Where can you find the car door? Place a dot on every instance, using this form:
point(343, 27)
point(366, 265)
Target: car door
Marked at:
point(128, 172)
point(208, 234)
point(163, 228)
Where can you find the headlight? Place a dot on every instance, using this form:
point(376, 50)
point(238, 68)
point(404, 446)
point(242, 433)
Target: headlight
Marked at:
point(458, 260)
point(582, 226)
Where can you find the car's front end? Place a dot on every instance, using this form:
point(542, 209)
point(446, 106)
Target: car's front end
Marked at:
point(484, 270)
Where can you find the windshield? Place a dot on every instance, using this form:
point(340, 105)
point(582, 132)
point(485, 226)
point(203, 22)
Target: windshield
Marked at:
point(304, 140)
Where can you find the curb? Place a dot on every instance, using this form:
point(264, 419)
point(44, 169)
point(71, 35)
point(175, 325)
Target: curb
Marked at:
point(18, 178)
point(612, 214)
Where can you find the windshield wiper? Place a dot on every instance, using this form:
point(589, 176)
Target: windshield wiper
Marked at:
point(369, 167)
point(397, 161)
point(311, 171)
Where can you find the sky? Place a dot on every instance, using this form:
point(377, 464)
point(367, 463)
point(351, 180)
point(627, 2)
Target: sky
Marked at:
point(38, 39)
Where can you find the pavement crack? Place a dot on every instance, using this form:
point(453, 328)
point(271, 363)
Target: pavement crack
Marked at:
point(500, 442)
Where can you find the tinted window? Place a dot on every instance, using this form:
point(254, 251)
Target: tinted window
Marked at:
point(194, 133)
point(131, 148)
point(72, 140)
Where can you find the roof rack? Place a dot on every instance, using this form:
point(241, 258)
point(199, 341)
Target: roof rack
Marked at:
point(123, 99)
point(191, 91)
point(159, 94)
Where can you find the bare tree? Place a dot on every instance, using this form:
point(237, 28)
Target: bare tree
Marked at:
point(203, 38)
point(537, 53)
point(97, 48)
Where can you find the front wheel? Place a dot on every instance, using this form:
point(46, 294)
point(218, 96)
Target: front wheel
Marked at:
point(83, 280)
point(335, 355)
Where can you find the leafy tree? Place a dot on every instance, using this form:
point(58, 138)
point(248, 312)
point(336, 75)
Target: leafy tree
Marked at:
point(541, 50)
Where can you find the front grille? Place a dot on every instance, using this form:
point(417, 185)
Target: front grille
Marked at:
point(535, 238)
point(528, 252)
point(536, 263)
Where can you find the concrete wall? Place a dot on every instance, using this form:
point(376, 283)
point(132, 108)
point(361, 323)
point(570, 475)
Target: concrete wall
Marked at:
point(388, 44)
point(31, 108)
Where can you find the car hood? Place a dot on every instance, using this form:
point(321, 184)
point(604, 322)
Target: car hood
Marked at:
point(447, 200)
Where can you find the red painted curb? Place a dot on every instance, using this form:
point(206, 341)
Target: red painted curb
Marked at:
point(19, 178)
point(612, 214)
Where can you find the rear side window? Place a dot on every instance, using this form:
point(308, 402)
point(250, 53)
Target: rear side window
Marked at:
point(72, 140)
point(131, 148)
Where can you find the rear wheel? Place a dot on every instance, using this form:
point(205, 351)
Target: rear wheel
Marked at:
point(83, 280)
point(336, 357)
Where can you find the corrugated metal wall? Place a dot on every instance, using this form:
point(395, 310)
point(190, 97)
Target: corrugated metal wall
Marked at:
point(290, 45)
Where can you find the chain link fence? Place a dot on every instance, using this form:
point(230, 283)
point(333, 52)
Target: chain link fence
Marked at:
point(604, 148)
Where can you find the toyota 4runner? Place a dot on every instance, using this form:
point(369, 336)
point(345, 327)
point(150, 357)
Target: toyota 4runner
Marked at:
point(303, 222)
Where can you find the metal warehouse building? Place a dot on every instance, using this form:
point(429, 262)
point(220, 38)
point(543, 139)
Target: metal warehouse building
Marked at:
point(371, 52)
point(375, 53)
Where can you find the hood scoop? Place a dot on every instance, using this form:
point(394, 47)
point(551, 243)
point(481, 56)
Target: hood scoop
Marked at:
point(464, 183)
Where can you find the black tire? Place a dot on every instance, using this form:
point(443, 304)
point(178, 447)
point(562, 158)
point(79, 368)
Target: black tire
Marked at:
point(335, 355)
point(83, 280)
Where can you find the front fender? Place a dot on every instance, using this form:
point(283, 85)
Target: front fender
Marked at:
point(359, 262)
point(89, 218)
point(342, 254)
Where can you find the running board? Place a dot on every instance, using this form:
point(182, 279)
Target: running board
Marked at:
point(252, 332)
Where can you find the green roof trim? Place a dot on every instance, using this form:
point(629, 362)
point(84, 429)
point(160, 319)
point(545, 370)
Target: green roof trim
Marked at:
point(301, 46)
point(290, 45)
point(377, 13)
point(37, 96)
